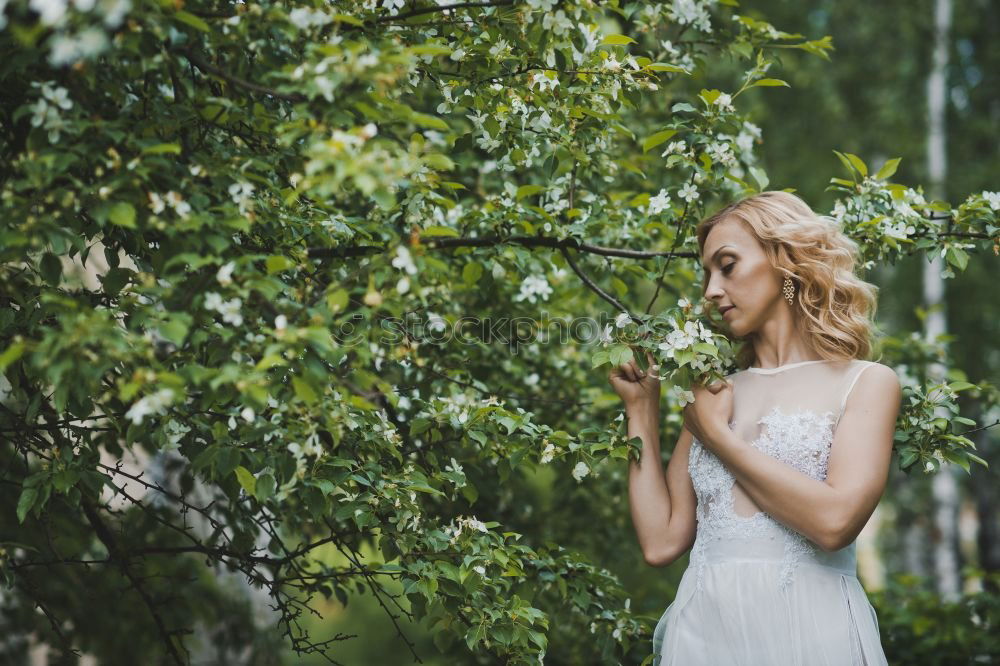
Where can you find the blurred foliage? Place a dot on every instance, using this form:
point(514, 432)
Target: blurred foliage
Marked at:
point(919, 629)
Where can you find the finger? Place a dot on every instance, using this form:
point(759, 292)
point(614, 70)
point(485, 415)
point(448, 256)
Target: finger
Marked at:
point(625, 372)
point(639, 372)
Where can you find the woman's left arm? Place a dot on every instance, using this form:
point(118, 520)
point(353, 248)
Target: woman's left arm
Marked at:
point(833, 512)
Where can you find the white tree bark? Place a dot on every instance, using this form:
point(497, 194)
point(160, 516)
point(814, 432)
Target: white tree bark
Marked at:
point(944, 486)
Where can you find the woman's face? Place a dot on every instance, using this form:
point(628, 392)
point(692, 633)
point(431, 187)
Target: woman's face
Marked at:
point(737, 273)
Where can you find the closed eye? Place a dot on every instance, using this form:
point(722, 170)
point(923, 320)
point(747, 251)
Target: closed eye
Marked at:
point(726, 270)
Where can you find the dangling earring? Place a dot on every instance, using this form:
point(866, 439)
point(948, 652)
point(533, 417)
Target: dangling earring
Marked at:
point(788, 289)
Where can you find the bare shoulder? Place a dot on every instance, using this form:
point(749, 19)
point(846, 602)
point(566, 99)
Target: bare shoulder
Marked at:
point(884, 373)
point(879, 383)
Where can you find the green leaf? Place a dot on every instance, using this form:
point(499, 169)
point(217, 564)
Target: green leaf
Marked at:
point(304, 390)
point(427, 120)
point(666, 67)
point(277, 263)
point(247, 480)
point(620, 354)
point(656, 139)
point(957, 257)
point(439, 231)
point(760, 176)
point(25, 502)
point(617, 40)
point(710, 95)
point(858, 164)
point(430, 49)
point(528, 190)
point(472, 272)
point(769, 82)
point(191, 20)
point(439, 162)
point(51, 269)
point(957, 457)
point(265, 486)
point(619, 286)
point(346, 18)
point(176, 328)
point(888, 169)
point(161, 148)
point(122, 214)
point(11, 354)
point(337, 300)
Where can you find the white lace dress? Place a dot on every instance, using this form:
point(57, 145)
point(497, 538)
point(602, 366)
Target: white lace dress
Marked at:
point(755, 592)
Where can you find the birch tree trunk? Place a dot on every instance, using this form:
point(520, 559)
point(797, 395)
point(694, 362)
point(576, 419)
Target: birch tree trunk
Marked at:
point(944, 486)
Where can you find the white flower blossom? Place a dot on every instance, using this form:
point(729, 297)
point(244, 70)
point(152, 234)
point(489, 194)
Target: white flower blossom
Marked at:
point(248, 414)
point(230, 310)
point(304, 18)
point(658, 203)
point(581, 470)
point(65, 49)
point(181, 207)
point(241, 193)
point(50, 12)
point(280, 322)
point(150, 405)
point(688, 192)
point(721, 153)
point(532, 286)
point(212, 301)
point(488, 143)
point(623, 319)
point(404, 260)
point(547, 453)
point(993, 199)
point(156, 203)
point(692, 12)
point(669, 47)
point(436, 322)
point(591, 37)
point(557, 22)
point(674, 147)
point(724, 101)
point(225, 274)
point(476, 524)
point(898, 230)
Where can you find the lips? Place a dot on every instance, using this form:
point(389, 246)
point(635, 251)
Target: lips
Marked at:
point(725, 309)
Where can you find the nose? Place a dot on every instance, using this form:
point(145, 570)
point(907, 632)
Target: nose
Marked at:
point(712, 292)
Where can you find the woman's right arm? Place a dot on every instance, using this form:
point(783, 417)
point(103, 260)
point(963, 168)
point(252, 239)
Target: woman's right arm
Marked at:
point(663, 507)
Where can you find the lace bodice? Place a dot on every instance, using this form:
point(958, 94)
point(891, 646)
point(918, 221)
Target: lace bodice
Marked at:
point(790, 413)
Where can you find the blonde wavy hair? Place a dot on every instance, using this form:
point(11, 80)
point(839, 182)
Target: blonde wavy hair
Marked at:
point(834, 307)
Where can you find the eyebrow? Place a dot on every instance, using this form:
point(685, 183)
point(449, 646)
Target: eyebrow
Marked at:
point(715, 254)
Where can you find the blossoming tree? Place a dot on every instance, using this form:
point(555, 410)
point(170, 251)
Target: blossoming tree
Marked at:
point(240, 243)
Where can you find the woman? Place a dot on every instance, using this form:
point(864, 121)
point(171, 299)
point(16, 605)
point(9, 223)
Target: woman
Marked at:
point(778, 468)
